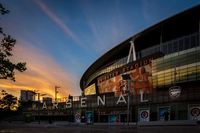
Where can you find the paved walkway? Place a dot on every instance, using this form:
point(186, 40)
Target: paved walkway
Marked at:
point(62, 127)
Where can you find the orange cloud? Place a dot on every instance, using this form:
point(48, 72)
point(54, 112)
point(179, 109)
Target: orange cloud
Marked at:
point(43, 74)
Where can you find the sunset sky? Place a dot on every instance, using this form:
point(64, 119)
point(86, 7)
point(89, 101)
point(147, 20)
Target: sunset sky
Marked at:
point(60, 39)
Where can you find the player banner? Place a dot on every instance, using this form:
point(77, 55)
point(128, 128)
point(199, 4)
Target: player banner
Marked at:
point(194, 112)
point(141, 78)
point(144, 115)
point(114, 118)
point(89, 117)
point(164, 113)
point(77, 117)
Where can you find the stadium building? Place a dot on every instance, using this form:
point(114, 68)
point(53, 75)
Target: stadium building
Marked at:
point(152, 76)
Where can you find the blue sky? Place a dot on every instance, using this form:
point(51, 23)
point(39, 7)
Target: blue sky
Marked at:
point(60, 39)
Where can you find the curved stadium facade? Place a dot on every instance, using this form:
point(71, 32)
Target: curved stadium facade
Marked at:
point(162, 69)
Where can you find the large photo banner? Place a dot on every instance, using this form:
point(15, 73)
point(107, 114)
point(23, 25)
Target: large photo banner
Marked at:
point(110, 85)
point(141, 79)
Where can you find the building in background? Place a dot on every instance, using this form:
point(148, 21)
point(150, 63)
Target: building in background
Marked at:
point(47, 100)
point(27, 95)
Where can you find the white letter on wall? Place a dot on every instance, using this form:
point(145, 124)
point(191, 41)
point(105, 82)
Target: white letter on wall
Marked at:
point(141, 96)
point(55, 105)
point(121, 99)
point(44, 106)
point(99, 99)
point(83, 104)
point(69, 103)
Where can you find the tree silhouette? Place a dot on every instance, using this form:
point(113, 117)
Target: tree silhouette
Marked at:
point(8, 102)
point(7, 68)
point(70, 97)
point(3, 10)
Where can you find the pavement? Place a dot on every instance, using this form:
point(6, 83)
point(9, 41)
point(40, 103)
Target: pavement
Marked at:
point(64, 127)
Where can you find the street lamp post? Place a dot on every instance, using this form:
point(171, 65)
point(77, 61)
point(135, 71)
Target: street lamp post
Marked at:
point(127, 78)
point(56, 92)
point(128, 102)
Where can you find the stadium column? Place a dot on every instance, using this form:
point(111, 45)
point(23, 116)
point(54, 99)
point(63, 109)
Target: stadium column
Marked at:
point(127, 78)
point(128, 107)
point(131, 52)
point(161, 37)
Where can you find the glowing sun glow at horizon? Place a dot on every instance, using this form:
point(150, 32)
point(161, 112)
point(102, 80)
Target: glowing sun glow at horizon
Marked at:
point(42, 74)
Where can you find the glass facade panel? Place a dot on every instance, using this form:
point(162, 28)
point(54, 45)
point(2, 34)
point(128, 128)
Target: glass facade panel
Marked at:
point(191, 77)
point(192, 69)
point(184, 65)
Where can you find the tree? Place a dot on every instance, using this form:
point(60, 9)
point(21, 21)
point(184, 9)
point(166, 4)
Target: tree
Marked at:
point(7, 68)
point(3, 10)
point(9, 106)
point(70, 97)
point(8, 102)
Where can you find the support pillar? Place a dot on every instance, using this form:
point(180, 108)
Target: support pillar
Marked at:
point(131, 52)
